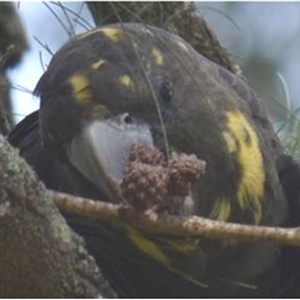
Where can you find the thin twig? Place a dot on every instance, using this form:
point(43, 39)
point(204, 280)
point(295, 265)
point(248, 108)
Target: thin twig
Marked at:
point(45, 46)
point(193, 226)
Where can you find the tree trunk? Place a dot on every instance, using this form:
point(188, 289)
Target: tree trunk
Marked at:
point(40, 256)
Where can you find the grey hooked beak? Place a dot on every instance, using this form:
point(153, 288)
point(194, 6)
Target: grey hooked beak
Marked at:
point(101, 151)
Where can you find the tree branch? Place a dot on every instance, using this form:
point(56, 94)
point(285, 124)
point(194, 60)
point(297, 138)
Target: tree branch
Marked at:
point(193, 226)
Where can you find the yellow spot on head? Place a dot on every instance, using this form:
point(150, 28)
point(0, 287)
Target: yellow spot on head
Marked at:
point(251, 186)
point(80, 88)
point(158, 57)
point(125, 80)
point(114, 34)
point(146, 30)
point(147, 246)
point(96, 65)
point(100, 111)
point(182, 44)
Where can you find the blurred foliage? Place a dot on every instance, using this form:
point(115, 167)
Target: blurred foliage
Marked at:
point(12, 45)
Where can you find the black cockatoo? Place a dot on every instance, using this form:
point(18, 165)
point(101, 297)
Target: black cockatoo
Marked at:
point(126, 84)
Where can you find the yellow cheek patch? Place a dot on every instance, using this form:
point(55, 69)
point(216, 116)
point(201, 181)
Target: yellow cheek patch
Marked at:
point(221, 210)
point(158, 57)
point(96, 65)
point(230, 141)
point(243, 141)
point(80, 88)
point(146, 246)
point(125, 80)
